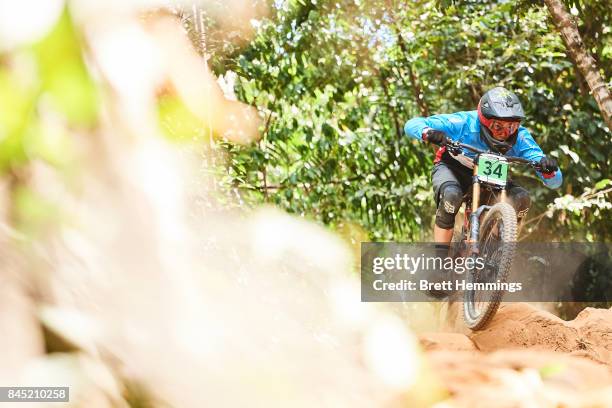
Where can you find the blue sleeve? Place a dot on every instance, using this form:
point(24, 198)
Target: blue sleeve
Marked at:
point(527, 148)
point(451, 124)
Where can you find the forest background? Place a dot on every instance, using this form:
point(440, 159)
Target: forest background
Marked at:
point(336, 81)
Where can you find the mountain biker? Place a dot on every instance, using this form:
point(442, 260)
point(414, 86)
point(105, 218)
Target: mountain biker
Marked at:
point(494, 126)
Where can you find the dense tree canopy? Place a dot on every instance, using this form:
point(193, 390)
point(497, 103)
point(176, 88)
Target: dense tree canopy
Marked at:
point(336, 80)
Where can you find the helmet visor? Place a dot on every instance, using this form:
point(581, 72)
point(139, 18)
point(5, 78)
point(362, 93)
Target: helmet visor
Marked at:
point(503, 129)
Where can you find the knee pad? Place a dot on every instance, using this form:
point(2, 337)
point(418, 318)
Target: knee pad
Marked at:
point(451, 197)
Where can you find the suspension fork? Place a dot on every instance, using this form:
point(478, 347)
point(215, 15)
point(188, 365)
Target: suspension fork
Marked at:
point(474, 216)
point(477, 210)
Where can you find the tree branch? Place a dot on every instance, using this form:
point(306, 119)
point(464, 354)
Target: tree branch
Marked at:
point(581, 57)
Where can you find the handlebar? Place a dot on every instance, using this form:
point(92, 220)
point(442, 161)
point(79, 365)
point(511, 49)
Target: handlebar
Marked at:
point(455, 148)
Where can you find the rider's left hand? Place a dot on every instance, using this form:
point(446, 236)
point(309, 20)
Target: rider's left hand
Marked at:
point(549, 166)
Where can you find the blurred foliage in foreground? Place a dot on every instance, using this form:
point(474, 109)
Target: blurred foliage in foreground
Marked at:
point(43, 104)
point(116, 278)
point(336, 80)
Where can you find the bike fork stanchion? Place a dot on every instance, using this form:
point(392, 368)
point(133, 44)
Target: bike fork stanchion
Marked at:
point(473, 237)
point(475, 227)
point(503, 196)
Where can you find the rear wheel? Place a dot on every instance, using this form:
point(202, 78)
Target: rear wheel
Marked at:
point(497, 244)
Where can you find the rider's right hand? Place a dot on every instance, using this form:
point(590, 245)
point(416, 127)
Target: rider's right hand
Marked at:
point(434, 136)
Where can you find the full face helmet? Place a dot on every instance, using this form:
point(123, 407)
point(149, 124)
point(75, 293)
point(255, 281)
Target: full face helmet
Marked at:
point(500, 113)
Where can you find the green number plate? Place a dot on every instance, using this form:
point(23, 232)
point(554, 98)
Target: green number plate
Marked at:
point(492, 169)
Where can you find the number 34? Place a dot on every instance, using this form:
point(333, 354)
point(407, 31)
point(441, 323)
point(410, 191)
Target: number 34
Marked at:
point(492, 168)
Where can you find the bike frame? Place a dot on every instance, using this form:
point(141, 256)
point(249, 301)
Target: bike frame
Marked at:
point(477, 209)
point(472, 215)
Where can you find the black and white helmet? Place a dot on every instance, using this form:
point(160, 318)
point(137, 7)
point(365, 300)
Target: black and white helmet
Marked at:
point(499, 104)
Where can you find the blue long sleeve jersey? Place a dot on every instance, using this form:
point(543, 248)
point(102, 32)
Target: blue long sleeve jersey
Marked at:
point(464, 127)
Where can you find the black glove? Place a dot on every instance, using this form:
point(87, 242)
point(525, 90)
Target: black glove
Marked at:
point(548, 165)
point(434, 136)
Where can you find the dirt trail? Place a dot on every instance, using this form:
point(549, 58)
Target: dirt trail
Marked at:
point(526, 357)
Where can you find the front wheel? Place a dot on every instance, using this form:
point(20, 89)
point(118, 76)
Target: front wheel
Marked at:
point(497, 243)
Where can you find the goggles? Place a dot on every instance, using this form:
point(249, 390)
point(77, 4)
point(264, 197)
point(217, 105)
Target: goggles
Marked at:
point(502, 129)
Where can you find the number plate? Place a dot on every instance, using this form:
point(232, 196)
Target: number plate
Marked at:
point(492, 169)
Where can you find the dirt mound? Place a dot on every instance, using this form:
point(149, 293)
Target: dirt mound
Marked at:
point(524, 326)
point(595, 327)
point(526, 357)
point(447, 341)
point(522, 378)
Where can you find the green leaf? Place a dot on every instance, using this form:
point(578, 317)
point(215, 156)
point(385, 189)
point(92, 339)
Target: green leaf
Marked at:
point(602, 183)
point(64, 75)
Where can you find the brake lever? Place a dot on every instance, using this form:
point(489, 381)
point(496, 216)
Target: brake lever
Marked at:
point(453, 147)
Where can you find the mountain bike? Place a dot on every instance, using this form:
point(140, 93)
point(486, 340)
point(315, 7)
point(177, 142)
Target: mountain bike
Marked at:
point(488, 232)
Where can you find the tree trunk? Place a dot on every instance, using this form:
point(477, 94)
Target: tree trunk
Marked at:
point(418, 91)
point(582, 58)
point(419, 95)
